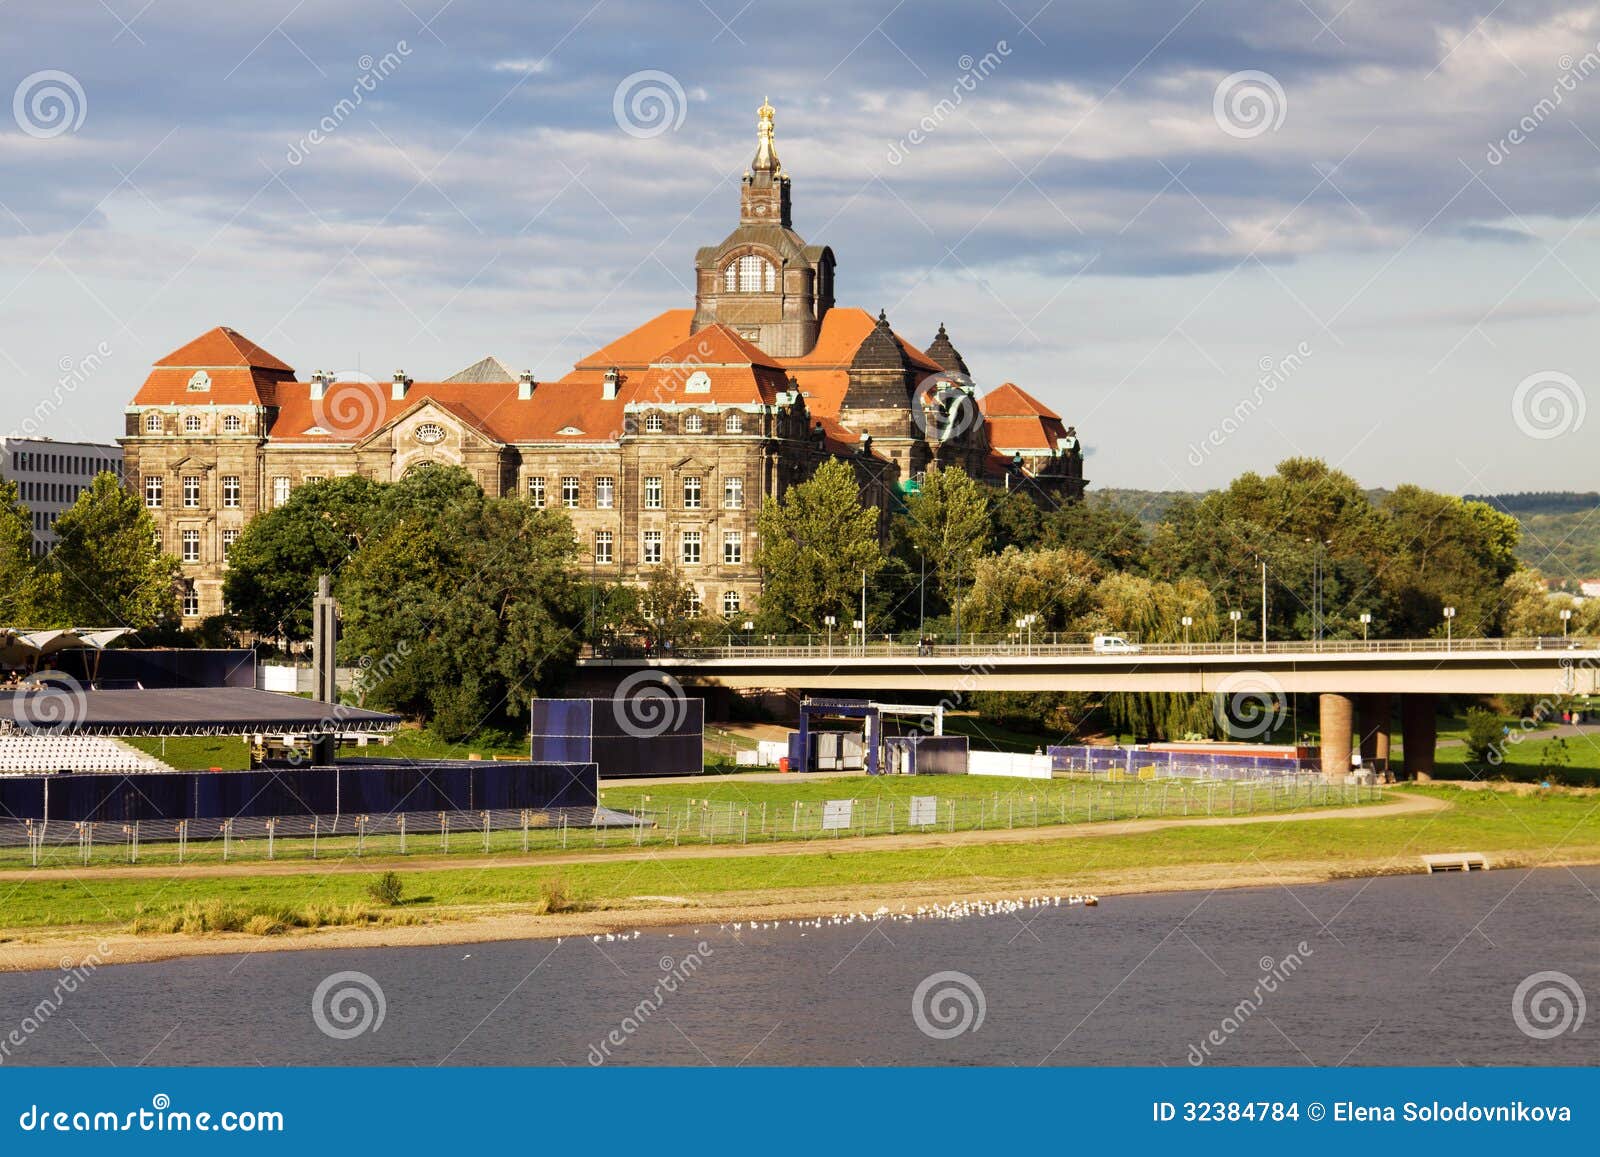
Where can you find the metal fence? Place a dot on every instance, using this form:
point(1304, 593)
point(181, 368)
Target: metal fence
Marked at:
point(1141, 763)
point(648, 822)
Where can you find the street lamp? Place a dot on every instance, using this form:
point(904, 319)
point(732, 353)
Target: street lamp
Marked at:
point(1235, 616)
point(1025, 623)
point(1188, 621)
point(1449, 629)
point(861, 625)
point(1366, 621)
point(749, 626)
point(922, 596)
point(1566, 617)
point(830, 621)
point(1318, 572)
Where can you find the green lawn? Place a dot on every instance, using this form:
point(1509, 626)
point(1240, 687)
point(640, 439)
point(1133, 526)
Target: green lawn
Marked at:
point(198, 753)
point(1513, 829)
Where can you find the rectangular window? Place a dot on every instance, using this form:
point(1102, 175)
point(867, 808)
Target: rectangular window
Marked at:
point(602, 547)
point(229, 537)
point(733, 547)
point(605, 492)
point(191, 602)
point(280, 491)
point(652, 547)
point(536, 492)
point(653, 424)
point(230, 491)
point(652, 494)
point(691, 492)
point(153, 485)
point(733, 493)
point(191, 546)
point(191, 491)
point(569, 492)
point(691, 548)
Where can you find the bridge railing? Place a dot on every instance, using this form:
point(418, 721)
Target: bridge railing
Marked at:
point(1043, 646)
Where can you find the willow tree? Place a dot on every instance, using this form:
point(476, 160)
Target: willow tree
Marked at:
point(1149, 611)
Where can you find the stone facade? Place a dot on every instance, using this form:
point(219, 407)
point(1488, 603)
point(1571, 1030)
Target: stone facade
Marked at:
point(660, 446)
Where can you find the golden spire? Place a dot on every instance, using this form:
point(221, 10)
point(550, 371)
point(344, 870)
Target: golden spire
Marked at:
point(766, 152)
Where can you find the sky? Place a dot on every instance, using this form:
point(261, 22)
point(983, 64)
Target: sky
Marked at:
point(1211, 234)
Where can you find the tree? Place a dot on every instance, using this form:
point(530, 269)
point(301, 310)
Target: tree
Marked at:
point(1153, 612)
point(1484, 733)
point(1113, 538)
point(1447, 552)
point(105, 569)
point(274, 563)
point(947, 520)
point(463, 611)
point(815, 545)
point(19, 580)
point(1057, 585)
point(1529, 608)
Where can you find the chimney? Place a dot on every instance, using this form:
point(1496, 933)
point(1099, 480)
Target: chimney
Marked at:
point(525, 384)
point(397, 391)
point(319, 385)
point(609, 390)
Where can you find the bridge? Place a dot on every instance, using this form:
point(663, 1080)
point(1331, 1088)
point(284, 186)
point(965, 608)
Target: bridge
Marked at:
point(1356, 680)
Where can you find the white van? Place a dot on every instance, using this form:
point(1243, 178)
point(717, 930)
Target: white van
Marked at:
point(1114, 645)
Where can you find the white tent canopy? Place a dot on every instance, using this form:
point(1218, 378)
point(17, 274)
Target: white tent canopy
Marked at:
point(22, 647)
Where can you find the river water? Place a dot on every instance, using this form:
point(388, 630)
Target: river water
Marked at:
point(1408, 970)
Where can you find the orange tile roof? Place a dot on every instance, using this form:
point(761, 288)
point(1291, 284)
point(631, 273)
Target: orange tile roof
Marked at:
point(169, 386)
point(1025, 434)
point(1009, 400)
point(223, 347)
point(639, 347)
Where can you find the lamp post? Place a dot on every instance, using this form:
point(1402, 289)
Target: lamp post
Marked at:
point(1188, 621)
point(1235, 616)
point(861, 626)
point(1366, 621)
point(922, 597)
point(749, 625)
point(1025, 623)
point(1317, 575)
point(1449, 628)
point(1566, 617)
point(1263, 563)
point(830, 621)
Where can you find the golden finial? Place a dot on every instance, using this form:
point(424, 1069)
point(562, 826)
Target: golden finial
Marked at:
point(766, 152)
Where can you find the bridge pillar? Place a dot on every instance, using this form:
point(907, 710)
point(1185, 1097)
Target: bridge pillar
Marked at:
point(1419, 732)
point(1374, 711)
point(1338, 729)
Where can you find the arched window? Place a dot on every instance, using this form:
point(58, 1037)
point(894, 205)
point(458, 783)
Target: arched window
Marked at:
point(749, 274)
point(733, 423)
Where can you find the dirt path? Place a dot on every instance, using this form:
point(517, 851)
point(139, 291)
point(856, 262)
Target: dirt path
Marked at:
point(1401, 806)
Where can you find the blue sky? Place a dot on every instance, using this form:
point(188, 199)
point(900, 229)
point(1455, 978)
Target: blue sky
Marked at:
point(1211, 234)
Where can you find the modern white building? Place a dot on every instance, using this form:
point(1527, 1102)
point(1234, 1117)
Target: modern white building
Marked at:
point(50, 475)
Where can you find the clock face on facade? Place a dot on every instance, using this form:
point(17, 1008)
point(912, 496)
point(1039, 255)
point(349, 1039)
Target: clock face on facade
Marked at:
point(430, 433)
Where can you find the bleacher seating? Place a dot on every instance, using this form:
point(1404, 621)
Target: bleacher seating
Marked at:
point(20, 752)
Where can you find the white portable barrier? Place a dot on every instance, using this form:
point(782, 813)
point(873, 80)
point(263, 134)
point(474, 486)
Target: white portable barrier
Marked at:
point(1005, 763)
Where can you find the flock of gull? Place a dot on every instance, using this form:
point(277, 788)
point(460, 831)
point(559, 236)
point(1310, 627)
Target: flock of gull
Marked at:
point(956, 910)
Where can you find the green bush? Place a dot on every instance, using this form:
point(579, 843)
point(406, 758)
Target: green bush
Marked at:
point(387, 888)
point(1484, 732)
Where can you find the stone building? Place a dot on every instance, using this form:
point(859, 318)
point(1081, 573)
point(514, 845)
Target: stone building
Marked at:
point(660, 445)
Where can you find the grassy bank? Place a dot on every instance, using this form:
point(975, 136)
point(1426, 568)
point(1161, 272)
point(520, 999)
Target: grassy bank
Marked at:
point(1511, 828)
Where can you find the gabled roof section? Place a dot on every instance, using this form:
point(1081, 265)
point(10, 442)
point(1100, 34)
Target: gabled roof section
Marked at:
point(639, 347)
point(1009, 400)
point(715, 345)
point(490, 369)
point(223, 347)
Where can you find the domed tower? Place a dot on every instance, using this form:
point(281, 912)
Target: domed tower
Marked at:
point(763, 281)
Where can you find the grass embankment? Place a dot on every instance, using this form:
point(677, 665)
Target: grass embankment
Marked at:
point(1513, 829)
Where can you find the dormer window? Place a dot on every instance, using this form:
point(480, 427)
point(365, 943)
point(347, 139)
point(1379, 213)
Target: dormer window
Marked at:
point(654, 424)
point(191, 423)
point(733, 423)
point(749, 274)
point(232, 423)
point(152, 423)
point(693, 423)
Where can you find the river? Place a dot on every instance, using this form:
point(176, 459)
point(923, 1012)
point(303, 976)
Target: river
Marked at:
point(1404, 970)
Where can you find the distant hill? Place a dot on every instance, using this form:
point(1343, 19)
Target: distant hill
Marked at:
point(1560, 530)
